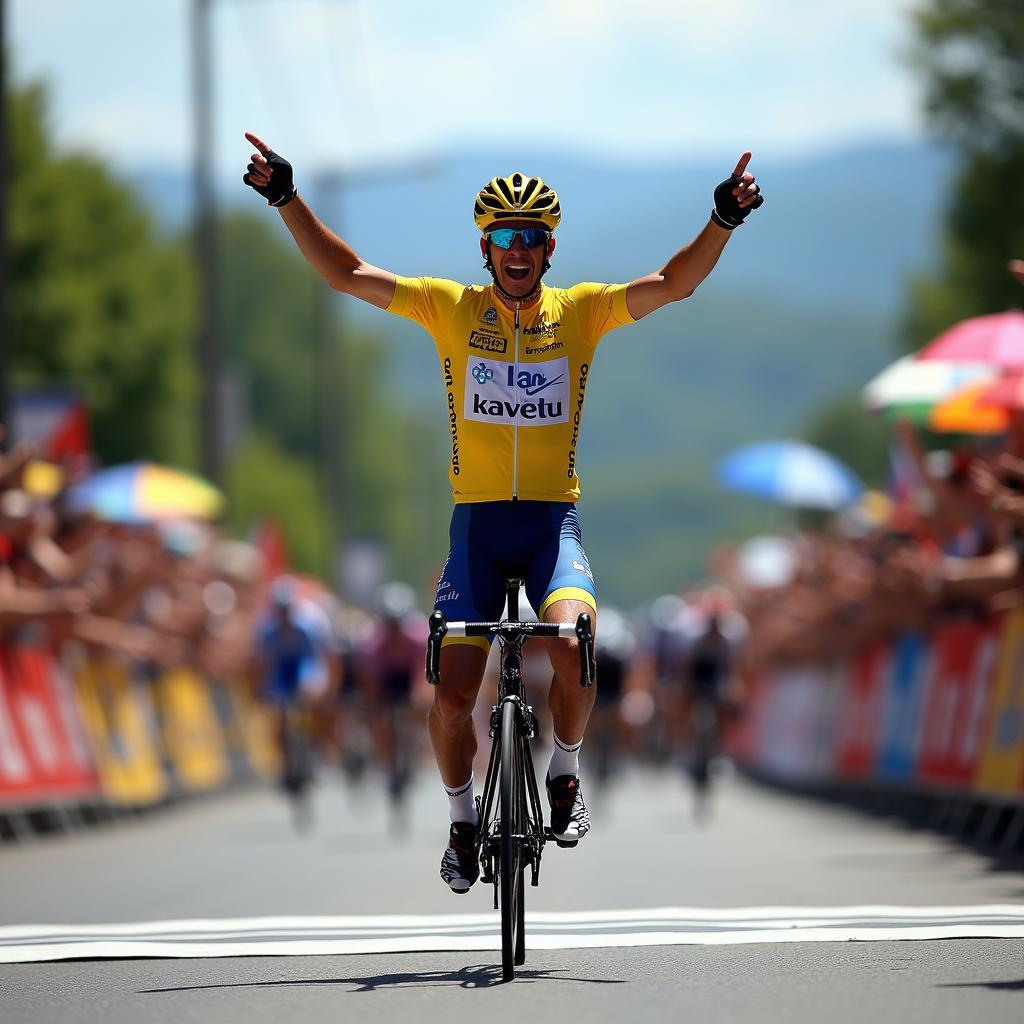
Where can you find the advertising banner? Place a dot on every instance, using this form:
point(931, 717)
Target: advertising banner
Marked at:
point(957, 702)
point(45, 755)
point(862, 704)
point(192, 733)
point(901, 715)
point(119, 720)
point(1002, 761)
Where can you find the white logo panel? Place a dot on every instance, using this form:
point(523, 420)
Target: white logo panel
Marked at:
point(530, 394)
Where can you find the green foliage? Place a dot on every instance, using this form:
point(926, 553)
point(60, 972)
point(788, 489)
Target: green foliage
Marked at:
point(286, 332)
point(849, 433)
point(95, 298)
point(265, 482)
point(971, 57)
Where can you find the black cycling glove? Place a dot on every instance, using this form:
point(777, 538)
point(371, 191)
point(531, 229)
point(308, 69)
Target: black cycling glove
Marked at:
point(280, 190)
point(728, 213)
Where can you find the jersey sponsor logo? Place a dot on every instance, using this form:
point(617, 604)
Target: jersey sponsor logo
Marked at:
point(577, 417)
point(530, 394)
point(453, 416)
point(585, 569)
point(491, 316)
point(550, 346)
point(543, 327)
point(488, 342)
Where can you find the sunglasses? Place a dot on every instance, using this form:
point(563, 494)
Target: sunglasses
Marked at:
point(504, 238)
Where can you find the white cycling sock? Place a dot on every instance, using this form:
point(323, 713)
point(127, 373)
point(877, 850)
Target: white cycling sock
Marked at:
point(565, 758)
point(461, 804)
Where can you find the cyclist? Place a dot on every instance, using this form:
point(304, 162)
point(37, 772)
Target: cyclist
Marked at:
point(392, 665)
point(714, 636)
point(515, 358)
point(293, 658)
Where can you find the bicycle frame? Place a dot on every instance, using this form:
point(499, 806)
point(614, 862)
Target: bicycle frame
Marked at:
point(523, 830)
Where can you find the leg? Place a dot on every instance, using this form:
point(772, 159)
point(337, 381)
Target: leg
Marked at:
point(450, 719)
point(453, 737)
point(570, 706)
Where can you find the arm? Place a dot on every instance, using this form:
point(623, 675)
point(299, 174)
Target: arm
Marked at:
point(679, 278)
point(331, 256)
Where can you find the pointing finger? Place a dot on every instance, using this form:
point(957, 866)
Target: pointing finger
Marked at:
point(741, 164)
point(265, 149)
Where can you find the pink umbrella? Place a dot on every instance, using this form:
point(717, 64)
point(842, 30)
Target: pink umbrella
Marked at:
point(997, 339)
point(1007, 391)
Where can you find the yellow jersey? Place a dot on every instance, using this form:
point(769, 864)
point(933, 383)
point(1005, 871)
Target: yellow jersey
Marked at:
point(515, 381)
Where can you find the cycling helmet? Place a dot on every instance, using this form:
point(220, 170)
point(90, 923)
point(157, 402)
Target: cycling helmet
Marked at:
point(283, 592)
point(395, 601)
point(517, 197)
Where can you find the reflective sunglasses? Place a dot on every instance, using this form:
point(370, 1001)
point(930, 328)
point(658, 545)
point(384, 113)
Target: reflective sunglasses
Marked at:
point(504, 238)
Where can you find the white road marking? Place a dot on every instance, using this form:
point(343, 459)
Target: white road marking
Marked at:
point(660, 926)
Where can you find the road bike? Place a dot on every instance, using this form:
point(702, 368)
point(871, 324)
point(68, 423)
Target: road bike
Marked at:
point(512, 834)
point(298, 771)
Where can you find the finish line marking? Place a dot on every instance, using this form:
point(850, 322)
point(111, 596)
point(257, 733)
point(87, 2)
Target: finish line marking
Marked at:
point(661, 926)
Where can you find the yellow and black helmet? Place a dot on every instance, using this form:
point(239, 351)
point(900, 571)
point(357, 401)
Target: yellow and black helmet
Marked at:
point(517, 197)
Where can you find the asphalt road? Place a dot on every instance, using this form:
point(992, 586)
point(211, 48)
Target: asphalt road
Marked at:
point(236, 856)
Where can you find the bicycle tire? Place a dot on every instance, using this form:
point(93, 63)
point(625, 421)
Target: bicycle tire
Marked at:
point(508, 867)
point(520, 822)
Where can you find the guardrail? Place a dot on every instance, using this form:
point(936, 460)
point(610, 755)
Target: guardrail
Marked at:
point(83, 737)
point(937, 715)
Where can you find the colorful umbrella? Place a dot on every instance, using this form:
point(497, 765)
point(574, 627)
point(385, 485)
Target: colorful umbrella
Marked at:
point(911, 388)
point(1006, 392)
point(790, 473)
point(143, 492)
point(967, 413)
point(997, 339)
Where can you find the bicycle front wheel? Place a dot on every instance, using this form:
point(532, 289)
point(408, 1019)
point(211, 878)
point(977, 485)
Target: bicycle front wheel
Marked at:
point(510, 794)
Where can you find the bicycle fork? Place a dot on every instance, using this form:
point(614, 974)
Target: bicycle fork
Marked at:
point(532, 843)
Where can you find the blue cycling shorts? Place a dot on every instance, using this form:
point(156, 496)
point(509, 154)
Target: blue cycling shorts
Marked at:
point(539, 541)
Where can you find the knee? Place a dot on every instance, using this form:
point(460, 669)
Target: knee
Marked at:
point(565, 660)
point(452, 707)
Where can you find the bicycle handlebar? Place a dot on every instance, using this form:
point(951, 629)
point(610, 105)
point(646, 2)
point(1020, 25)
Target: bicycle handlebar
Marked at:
point(580, 630)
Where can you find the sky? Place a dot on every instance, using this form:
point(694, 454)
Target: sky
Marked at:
point(346, 83)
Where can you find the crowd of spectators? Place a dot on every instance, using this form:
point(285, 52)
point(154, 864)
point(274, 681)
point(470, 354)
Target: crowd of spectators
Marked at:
point(954, 546)
point(159, 593)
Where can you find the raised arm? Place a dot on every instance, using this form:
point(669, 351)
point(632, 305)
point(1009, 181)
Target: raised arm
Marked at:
point(331, 256)
point(734, 199)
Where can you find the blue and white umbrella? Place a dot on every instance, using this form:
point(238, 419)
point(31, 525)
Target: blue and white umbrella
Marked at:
point(790, 473)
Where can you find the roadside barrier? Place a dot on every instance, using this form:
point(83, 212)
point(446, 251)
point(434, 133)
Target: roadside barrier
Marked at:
point(44, 753)
point(937, 714)
point(82, 737)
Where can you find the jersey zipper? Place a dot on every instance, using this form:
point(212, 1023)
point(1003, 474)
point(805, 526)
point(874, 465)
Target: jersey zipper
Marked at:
point(515, 424)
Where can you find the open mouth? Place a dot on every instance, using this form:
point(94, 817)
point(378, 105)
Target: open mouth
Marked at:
point(517, 273)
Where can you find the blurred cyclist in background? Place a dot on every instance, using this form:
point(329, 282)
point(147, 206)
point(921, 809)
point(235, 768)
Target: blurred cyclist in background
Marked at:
point(293, 658)
point(613, 654)
point(713, 635)
point(392, 666)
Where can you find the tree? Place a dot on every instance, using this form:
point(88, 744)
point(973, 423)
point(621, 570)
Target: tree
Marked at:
point(271, 315)
point(970, 54)
point(96, 298)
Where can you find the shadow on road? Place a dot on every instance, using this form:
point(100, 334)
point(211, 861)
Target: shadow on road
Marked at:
point(995, 986)
point(477, 976)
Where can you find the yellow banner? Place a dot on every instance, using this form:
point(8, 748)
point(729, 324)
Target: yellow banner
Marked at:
point(118, 718)
point(191, 730)
point(1002, 763)
point(256, 725)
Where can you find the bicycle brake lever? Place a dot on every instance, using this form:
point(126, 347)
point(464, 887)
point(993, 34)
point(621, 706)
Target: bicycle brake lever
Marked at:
point(585, 636)
point(438, 629)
